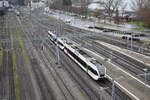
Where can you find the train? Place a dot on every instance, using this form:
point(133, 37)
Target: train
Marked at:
point(4, 5)
point(91, 66)
point(131, 38)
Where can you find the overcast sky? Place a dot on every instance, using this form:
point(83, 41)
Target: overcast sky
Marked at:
point(129, 4)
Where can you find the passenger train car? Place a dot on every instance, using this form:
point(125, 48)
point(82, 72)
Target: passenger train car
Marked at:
point(90, 65)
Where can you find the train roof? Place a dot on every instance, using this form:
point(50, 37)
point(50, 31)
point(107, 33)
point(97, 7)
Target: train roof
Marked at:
point(89, 58)
point(80, 50)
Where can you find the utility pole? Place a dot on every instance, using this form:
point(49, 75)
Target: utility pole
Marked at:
point(113, 86)
point(57, 50)
point(30, 8)
point(145, 77)
point(113, 89)
point(131, 41)
point(111, 55)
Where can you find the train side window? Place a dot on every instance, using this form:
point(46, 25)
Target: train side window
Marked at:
point(60, 43)
point(82, 62)
point(92, 70)
point(77, 58)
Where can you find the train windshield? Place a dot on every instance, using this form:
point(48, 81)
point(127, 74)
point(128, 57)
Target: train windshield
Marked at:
point(96, 63)
point(101, 68)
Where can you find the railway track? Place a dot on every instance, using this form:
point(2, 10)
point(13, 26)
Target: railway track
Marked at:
point(101, 83)
point(92, 94)
point(7, 76)
point(109, 39)
point(77, 77)
point(83, 85)
point(58, 74)
point(122, 44)
point(56, 77)
point(44, 88)
point(137, 67)
point(118, 93)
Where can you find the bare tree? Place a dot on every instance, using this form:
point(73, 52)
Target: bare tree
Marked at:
point(142, 8)
point(56, 4)
point(61, 4)
point(123, 7)
point(84, 6)
point(111, 6)
point(136, 4)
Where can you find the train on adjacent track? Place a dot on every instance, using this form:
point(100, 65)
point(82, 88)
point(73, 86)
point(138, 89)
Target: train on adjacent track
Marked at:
point(90, 65)
point(4, 5)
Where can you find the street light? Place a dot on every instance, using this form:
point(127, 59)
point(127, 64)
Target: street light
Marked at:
point(113, 86)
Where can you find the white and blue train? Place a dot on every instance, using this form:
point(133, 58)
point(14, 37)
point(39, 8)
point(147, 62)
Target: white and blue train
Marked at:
point(90, 65)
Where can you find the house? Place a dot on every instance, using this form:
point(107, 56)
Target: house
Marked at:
point(126, 17)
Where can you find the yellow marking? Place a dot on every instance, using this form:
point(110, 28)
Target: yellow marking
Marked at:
point(27, 23)
point(15, 67)
point(94, 58)
point(81, 94)
point(16, 76)
point(21, 44)
point(3, 31)
point(50, 54)
point(1, 55)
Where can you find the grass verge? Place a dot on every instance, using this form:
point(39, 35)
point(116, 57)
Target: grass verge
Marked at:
point(140, 24)
point(21, 45)
point(110, 24)
point(1, 55)
point(141, 29)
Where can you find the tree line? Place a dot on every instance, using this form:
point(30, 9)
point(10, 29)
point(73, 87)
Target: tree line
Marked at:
point(142, 9)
